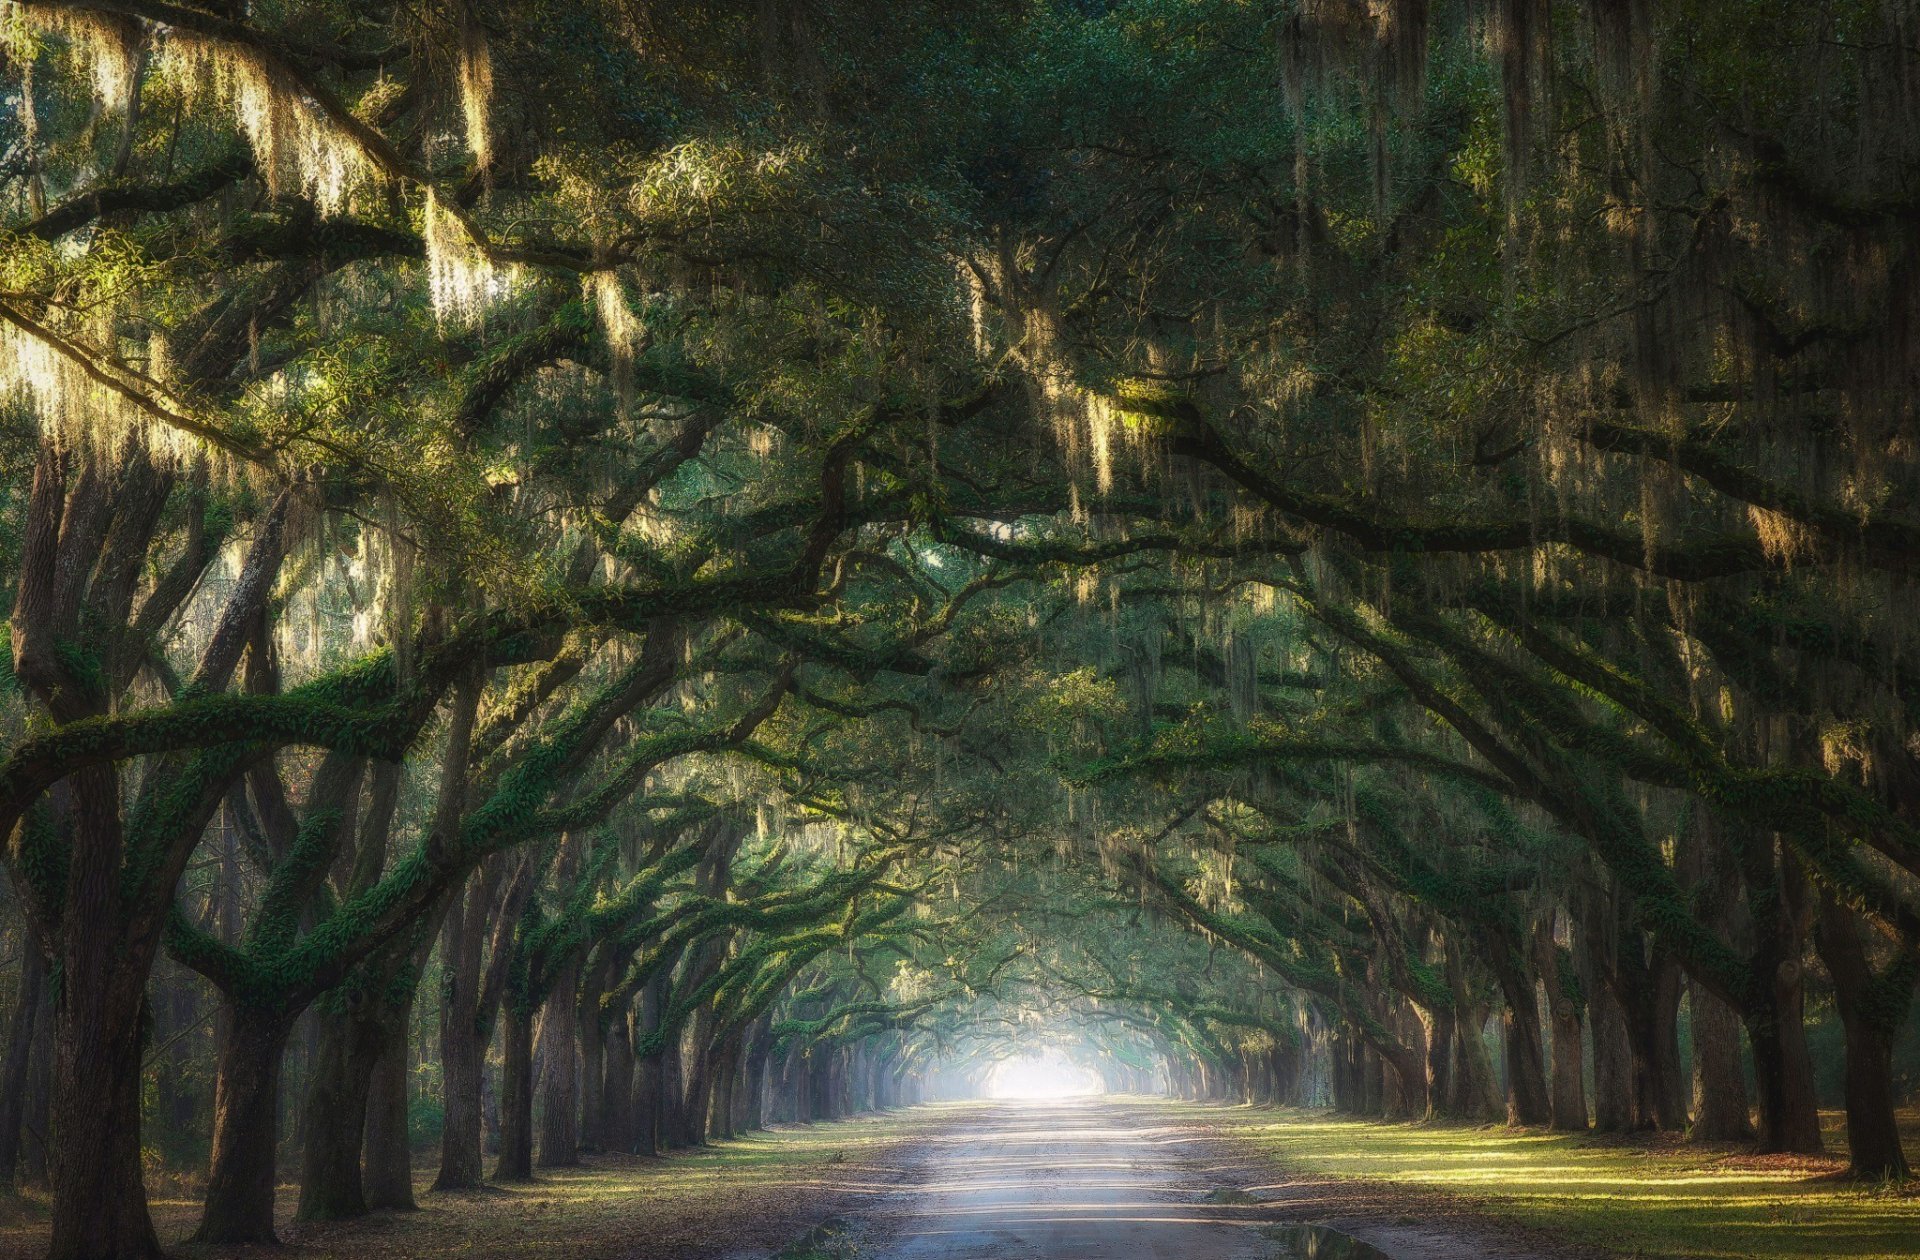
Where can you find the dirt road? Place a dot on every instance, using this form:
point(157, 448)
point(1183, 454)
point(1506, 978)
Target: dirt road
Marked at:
point(1075, 1180)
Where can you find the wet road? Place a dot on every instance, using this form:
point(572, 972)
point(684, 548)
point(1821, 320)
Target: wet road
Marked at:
point(1076, 1180)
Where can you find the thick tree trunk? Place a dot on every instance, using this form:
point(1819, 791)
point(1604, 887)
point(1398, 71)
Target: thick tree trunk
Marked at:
point(1776, 1028)
point(594, 1120)
point(559, 1145)
point(21, 1033)
point(617, 1129)
point(1598, 950)
point(696, 1098)
point(753, 1111)
point(649, 1088)
point(1527, 1101)
point(720, 1102)
point(516, 1099)
point(1442, 1037)
point(1872, 1012)
point(1569, 1096)
point(246, 1107)
point(1720, 1110)
point(99, 1199)
point(1783, 1070)
point(1668, 1086)
point(38, 1124)
point(1477, 1092)
point(462, 1059)
point(388, 1155)
point(650, 1073)
point(331, 1188)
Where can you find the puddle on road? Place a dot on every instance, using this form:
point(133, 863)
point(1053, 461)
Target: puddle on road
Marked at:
point(1318, 1242)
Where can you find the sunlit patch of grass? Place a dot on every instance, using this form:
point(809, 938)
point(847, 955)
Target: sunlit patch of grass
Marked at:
point(756, 1192)
point(1654, 1199)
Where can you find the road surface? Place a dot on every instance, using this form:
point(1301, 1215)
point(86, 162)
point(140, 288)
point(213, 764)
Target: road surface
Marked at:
point(1074, 1180)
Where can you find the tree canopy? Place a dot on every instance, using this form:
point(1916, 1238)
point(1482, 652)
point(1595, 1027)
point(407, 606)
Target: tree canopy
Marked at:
point(822, 541)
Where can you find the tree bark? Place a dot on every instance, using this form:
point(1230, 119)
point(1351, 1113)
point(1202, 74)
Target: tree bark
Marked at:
point(331, 1187)
point(462, 1059)
point(649, 1073)
point(1598, 951)
point(1776, 1028)
point(559, 1145)
point(594, 1120)
point(1871, 1012)
point(1720, 1110)
point(617, 1129)
point(516, 1099)
point(21, 1034)
point(388, 1152)
point(99, 1198)
point(1569, 1097)
point(1477, 1093)
point(246, 1105)
point(1527, 1101)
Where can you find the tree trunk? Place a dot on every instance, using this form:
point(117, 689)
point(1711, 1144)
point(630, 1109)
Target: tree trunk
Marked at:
point(1569, 1097)
point(1477, 1093)
point(1720, 1111)
point(673, 1094)
point(516, 1099)
point(1776, 1028)
point(1668, 1087)
point(331, 1188)
point(99, 1199)
point(617, 1129)
point(462, 1059)
point(388, 1178)
point(697, 1096)
point(1612, 1065)
point(594, 1120)
point(1872, 1012)
point(1527, 1101)
point(246, 1109)
point(649, 1073)
point(560, 1083)
point(720, 1094)
point(753, 1115)
point(13, 1070)
point(38, 1122)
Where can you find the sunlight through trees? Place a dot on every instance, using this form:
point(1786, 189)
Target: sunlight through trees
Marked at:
point(590, 577)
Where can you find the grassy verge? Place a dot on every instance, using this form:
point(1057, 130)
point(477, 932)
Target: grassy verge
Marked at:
point(1654, 1199)
point(756, 1192)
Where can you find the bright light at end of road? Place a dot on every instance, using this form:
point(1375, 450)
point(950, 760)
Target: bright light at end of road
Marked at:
point(1041, 1077)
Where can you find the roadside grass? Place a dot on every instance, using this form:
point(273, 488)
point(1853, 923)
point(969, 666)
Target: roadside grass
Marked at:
point(1636, 1198)
point(759, 1191)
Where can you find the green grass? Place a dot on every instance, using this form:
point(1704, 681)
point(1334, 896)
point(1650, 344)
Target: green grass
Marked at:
point(762, 1191)
point(1637, 1199)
